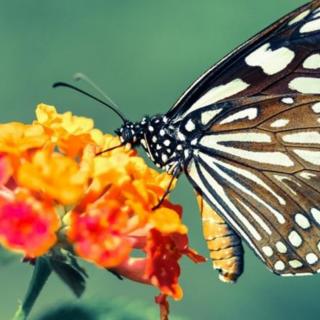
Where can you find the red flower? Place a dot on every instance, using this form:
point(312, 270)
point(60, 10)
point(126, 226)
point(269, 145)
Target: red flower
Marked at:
point(26, 224)
point(98, 234)
point(162, 268)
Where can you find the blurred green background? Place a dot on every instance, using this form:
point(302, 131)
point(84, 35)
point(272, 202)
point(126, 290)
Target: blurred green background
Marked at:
point(144, 53)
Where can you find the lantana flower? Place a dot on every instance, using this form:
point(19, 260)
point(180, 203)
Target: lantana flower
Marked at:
point(57, 190)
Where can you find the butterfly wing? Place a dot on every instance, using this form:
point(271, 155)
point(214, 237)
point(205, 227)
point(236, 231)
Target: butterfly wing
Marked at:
point(258, 164)
point(284, 58)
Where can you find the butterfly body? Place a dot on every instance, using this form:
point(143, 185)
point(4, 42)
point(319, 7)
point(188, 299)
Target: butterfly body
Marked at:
point(247, 136)
point(166, 144)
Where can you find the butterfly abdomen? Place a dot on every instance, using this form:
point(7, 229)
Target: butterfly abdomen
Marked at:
point(223, 243)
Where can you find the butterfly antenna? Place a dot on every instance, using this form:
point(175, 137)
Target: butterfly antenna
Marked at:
point(70, 86)
point(110, 149)
point(81, 76)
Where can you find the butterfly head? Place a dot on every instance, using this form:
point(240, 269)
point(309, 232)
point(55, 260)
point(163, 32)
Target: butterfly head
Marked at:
point(131, 132)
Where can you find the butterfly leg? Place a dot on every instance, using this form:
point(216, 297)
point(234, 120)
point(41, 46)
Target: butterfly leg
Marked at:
point(175, 174)
point(224, 244)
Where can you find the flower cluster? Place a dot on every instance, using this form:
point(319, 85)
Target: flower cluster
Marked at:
point(56, 191)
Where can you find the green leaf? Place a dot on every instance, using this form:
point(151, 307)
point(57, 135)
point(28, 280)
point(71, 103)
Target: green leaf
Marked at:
point(40, 275)
point(66, 266)
point(72, 276)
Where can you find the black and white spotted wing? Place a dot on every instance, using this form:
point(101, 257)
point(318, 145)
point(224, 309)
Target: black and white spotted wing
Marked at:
point(257, 160)
point(258, 165)
point(284, 58)
point(247, 134)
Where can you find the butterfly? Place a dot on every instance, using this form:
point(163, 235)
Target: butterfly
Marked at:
point(247, 136)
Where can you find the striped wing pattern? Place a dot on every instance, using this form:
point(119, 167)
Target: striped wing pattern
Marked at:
point(284, 58)
point(258, 164)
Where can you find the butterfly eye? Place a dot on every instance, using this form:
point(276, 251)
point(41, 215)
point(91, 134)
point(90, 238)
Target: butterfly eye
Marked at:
point(127, 134)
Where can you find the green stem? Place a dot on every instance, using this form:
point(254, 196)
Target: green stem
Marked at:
point(40, 275)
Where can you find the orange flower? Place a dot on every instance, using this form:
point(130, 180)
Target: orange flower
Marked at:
point(167, 220)
point(162, 267)
point(6, 169)
point(55, 175)
point(98, 234)
point(27, 225)
point(64, 123)
point(16, 137)
point(69, 132)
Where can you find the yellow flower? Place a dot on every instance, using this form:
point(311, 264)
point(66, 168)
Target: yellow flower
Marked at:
point(69, 132)
point(55, 175)
point(49, 118)
point(16, 137)
point(167, 220)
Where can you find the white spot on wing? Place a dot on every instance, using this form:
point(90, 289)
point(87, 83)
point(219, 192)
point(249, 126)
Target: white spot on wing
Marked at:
point(302, 221)
point(311, 258)
point(310, 156)
point(267, 251)
point(316, 107)
point(281, 247)
point(194, 142)
point(279, 265)
point(305, 85)
point(307, 175)
point(294, 238)
point(310, 26)
point(207, 116)
point(181, 136)
point(312, 62)
point(164, 158)
point(179, 147)
point(307, 137)
point(279, 123)
point(287, 100)
point(219, 93)
point(249, 113)
point(295, 264)
point(316, 214)
point(299, 17)
point(271, 61)
point(190, 126)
